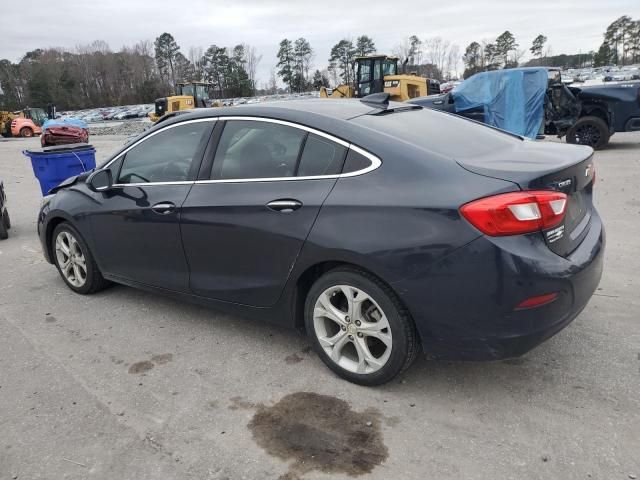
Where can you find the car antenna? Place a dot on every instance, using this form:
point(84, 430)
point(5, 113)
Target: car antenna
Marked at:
point(377, 100)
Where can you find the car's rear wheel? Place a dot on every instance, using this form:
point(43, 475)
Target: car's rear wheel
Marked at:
point(74, 261)
point(359, 328)
point(591, 131)
point(26, 132)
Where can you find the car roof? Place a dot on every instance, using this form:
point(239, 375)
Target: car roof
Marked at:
point(337, 109)
point(331, 116)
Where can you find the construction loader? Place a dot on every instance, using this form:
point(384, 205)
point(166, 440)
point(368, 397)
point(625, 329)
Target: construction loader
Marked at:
point(23, 123)
point(378, 74)
point(188, 95)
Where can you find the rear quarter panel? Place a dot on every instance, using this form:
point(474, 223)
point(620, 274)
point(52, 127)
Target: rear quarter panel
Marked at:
point(400, 218)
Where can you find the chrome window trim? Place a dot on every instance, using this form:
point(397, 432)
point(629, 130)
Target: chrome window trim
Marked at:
point(290, 124)
point(151, 184)
point(375, 161)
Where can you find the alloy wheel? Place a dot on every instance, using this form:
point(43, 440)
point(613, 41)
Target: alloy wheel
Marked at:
point(587, 135)
point(352, 329)
point(71, 259)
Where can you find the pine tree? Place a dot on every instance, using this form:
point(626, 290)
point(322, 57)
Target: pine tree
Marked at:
point(166, 50)
point(286, 63)
point(342, 56)
point(365, 46)
point(505, 43)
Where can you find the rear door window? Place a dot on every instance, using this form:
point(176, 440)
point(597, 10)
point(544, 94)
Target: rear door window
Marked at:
point(355, 161)
point(254, 149)
point(320, 156)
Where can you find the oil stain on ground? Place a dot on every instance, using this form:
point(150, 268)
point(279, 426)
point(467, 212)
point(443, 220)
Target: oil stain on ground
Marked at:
point(140, 367)
point(146, 365)
point(319, 432)
point(293, 359)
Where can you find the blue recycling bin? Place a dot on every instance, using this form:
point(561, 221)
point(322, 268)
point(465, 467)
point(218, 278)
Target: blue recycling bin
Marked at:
point(53, 165)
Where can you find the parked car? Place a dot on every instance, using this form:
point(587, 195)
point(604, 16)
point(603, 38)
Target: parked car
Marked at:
point(368, 224)
point(586, 115)
point(5, 220)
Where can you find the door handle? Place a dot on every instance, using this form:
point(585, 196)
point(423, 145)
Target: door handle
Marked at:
point(284, 206)
point(163, 208)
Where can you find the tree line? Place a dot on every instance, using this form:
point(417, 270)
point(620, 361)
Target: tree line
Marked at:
point(93, 75)
point(620, 46)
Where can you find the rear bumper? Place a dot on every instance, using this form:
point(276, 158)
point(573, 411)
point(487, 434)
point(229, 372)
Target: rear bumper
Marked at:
point(464, 307)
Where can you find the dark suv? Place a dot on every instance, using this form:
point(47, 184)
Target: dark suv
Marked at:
point(585, 115)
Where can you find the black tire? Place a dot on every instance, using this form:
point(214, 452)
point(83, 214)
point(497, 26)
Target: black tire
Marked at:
point(26, 132)
point(591, 131)
point(4, 234)
point(405, 343)
point(94, 280)
point(6, 220)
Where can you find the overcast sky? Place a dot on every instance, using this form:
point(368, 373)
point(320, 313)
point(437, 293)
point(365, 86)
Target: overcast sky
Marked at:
point(570, 25)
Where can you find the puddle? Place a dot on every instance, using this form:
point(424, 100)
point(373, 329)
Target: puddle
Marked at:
point(319, 432)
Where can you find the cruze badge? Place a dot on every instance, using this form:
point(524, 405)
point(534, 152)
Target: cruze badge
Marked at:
point(564, 183)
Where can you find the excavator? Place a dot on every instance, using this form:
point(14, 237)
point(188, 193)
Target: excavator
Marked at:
point(378, 74)
point(188, 95)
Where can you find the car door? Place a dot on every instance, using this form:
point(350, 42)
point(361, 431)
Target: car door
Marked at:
point(135, 224)
point(244, 226)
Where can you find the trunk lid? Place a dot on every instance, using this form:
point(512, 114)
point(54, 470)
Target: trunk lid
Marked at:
point(547, 166)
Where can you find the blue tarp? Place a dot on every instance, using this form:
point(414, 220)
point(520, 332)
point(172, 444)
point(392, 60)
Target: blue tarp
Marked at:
point(66, 122)
point(513, 99)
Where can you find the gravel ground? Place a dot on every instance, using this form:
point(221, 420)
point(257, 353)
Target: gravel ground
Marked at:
point(127, 128)
point(126, 384)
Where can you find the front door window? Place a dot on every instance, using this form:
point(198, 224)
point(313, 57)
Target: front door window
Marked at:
point(165, 157)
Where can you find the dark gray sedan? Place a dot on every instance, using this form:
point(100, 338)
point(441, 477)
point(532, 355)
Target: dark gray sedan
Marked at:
point(381, 229)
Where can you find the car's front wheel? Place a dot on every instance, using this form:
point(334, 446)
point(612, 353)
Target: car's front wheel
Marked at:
point(74, 261)
point(359, 328)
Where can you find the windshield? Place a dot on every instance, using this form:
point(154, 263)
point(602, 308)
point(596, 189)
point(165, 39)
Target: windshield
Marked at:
point(38, 116)
point(554, 77)
point(202, 91)
point(390, 67)
point(187, 90)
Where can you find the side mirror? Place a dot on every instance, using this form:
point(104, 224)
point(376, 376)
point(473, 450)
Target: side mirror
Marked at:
point(100, 180)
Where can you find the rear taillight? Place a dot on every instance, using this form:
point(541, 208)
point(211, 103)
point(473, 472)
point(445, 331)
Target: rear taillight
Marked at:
point(516, 213)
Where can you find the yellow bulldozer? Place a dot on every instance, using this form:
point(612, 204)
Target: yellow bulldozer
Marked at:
point(379, 73)
point(188, 95)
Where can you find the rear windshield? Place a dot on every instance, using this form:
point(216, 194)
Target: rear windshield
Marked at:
point(447, 134)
